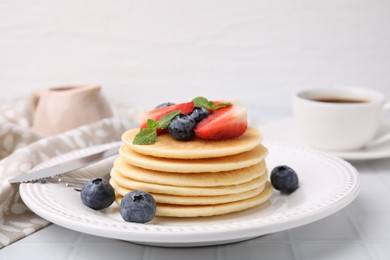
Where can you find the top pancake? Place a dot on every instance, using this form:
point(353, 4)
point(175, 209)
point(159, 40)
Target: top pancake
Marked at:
point(198, 148)
point(218, 164)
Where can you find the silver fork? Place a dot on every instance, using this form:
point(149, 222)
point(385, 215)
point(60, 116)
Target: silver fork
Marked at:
point(77, 183)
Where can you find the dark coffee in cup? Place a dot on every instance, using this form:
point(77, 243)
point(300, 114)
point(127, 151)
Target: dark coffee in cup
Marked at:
point(339, 100)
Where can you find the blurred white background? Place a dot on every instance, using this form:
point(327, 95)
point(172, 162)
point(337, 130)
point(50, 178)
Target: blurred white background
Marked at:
point(146, 52)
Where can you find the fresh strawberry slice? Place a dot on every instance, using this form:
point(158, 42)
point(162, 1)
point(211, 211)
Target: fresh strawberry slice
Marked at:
point(158, 113)
point(223, 123)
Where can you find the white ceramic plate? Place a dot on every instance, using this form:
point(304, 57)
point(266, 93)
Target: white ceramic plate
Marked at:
point(327, 184)
point(284, 131)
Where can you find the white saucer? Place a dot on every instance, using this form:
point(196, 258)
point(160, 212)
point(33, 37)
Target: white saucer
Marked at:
point(284, 131)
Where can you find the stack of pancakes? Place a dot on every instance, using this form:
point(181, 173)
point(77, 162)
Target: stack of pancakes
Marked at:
point(194, 178)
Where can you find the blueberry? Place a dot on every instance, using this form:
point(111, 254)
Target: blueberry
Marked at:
point(182, 127)
point(166, 104)
point(199, 113)
point(97, 194)
point(138, 206)
point(284, 179)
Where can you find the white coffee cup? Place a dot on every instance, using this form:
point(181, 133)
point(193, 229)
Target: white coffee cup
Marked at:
point(343, 118)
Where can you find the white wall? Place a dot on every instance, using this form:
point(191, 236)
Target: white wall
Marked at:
point(152, 51)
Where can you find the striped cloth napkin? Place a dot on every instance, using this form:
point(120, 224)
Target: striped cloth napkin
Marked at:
point(21, 150)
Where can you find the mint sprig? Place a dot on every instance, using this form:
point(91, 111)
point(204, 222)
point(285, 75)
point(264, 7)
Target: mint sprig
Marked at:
point(146, 136)
point(209, 105)
point(149, 135)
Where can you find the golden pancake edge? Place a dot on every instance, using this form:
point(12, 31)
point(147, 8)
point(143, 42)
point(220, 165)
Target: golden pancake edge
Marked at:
point(193, 200)
point(171, 210)
point(167, 147)
point(188, 190)
point(189, 179)
point(226, 163)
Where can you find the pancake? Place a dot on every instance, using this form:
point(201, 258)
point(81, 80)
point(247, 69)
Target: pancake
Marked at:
point(192, 200)
point(170, 210)
point(188, 190)
point(167, 147)
point(203, 179)
point(226, 163)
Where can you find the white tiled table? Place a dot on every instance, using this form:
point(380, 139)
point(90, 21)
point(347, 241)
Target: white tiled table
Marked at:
point(359, 231)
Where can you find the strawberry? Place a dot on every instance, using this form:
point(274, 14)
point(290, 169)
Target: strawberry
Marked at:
point(158, 113)
point(223, 123)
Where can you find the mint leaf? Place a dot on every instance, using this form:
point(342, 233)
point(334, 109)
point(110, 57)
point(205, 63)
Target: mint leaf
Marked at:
point(202, 102)
point(164, 122)
point(146, 136)
point(149, 135)
point(209, 105)
point(152, 124)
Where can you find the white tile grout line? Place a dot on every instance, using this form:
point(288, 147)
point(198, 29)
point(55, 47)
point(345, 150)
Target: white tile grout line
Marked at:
point(146, 253)
point(366, 242)
point(221, 253)
point(77, 246)
point(294, 245)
